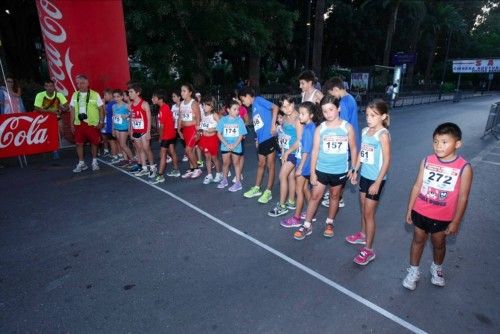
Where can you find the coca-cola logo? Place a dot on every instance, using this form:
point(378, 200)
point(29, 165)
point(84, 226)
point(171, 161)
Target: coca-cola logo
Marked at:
point(54, 36)
point(13, 131)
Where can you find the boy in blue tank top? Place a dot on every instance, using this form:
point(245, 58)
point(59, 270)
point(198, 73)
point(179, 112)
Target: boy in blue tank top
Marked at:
point(334, 141)
point(264, 114)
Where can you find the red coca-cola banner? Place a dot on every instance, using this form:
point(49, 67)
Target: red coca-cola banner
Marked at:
point(28, 133)
point(84, 37)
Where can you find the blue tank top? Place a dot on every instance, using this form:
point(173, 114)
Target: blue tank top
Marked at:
point(333, 155)
point(371, 154)
point(289, 137)
point(120, 123)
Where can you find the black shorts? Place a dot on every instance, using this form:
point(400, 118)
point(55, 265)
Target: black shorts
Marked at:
point(229, 152)
point(365, 184)
point(429, 225)
point(332, 180)
point(267, 147)
point(109, 136)
point(167, 143)
point(292, 158)
point(137, 135)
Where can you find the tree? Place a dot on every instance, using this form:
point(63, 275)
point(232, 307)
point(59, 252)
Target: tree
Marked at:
point(318, 37)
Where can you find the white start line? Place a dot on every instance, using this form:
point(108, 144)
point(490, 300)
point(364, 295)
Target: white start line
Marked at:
point(282, 256)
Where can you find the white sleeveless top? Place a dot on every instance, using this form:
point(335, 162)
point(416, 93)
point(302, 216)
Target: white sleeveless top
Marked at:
point(310, 98)
point(208, 122)
point(186, 111)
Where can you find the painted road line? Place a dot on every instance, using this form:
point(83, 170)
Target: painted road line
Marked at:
point(282, 256)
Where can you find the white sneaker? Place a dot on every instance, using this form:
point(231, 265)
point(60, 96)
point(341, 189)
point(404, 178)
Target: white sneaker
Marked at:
point(437, 275)
point(411, 279)
point(196, 173)
point(80, 167)
point(341, 203)
point(142, 172)
point(326, 202)
point(169, 159)
point(208, 179)
point(326, 195)
point(152, 173)
point(187, 174)
point(218, 177)
point(234, 178)
point(185, 158)
point(95, 166)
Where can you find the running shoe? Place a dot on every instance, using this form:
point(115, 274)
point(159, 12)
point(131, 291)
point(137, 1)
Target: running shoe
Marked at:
point(187, 174)
point(158, 179)
point(325, 202)
point(278, 210)
point(196, 173)
point(218, 177)
point(235, 187)
point(95, 166)
point(437, 275)
point(200, 163)
point(134, 168)
point(328, 232)
point(80, 167)
point(169, 159)
point(290, 204)
point(174, 173)
point(185, 158)
point(152, 173)
point(411, 279)
point(208, 179)
point(302, 232)
point(291, 222)
point(266, 197)
point(253, 192)
point(222, 184)
point(341, 203)
point(142, 172)
point(357, 238)
point(364, 257)
point(117, 159)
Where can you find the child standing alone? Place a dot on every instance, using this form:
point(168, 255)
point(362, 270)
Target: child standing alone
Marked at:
point(438, 201)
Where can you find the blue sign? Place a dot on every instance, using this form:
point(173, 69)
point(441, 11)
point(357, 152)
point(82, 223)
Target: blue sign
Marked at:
point(401, 58)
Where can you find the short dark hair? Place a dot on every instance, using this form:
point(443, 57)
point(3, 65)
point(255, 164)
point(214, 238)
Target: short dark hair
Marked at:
point(246, 91)
point(135, 86)
point(108, 90)
point(308, 75)
point(329, 99)
point(334, 82)
point(161, 94)
point(448, 128)
point(118, 91)
point(48, 81)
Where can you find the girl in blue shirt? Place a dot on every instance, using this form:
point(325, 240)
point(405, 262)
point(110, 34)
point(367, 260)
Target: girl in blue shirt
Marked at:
point(334, 140)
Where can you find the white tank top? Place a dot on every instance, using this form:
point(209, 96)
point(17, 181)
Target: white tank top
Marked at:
point(186, 111)
point(175, 114)
point(310, 98)
point(208, 122)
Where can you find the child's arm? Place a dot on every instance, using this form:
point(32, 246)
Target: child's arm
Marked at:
point(274, 110)
point(314, 157)
point(298, 170)
point(414, 192)
point(353, 150)
point(463, 197)
point(145, 107)
point(385, 142)
point(196, 114)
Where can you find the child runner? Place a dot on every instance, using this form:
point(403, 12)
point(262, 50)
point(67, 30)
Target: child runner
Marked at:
point(438, 201)
point(348, 112)
point(167, 135)
point(243, 112)
point(309, 116)
point(290, 143)
point(374, 160)
point(333, 140)
point(121, 118)
point(264, 115)
point(107, 131)
point(190, 117)
point(176, 98)
point(306, 84)
point(141, 131)
point(231, 130)
point(209, 141)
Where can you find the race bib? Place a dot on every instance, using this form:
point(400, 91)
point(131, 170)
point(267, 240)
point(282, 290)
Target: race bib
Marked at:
point(117, 119)
point(335, 144)
point(187, 117)
point(367, 154)
point(204, 126)
point(137, 123)
point(440, 178)
point(284, 141)
point(231, 130)
point(258, 123)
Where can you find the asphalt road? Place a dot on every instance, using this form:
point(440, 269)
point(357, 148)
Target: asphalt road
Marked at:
point(104, 252)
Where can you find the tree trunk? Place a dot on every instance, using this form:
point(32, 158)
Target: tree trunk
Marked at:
point(318, 38)
point(254, 70)
point(391, 28)
point(430, 62)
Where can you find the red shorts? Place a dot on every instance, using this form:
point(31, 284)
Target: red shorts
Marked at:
point(86, 133)
point(209, 144)
point(189, 134)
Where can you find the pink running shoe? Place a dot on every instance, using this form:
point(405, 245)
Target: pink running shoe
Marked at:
point(357, 238)
point(291, 222)
point(364, 257)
